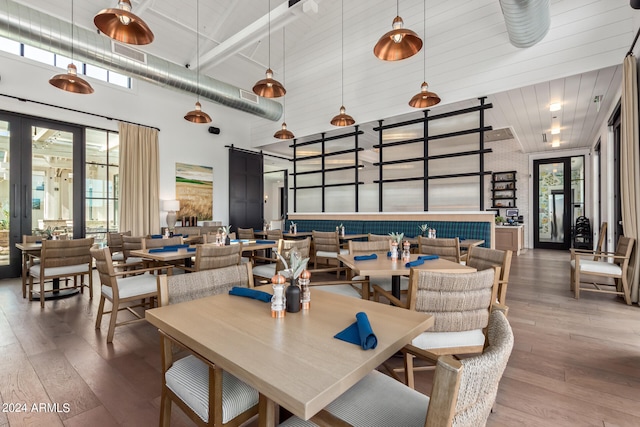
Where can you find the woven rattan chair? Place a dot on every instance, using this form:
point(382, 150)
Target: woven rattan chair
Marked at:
point(209, 257)
point(206, 393)
point(484, 258)
point(115, 244)
point(448, 249)
point(462, 395)
point(616, 270)
point(326, 246)
point(460, 304)
point(61, 259)
point(131, 243)
point(274, 235)
point(246, 233)
point(124, 293)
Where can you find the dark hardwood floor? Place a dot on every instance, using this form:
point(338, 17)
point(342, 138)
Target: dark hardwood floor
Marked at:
point(575, 362)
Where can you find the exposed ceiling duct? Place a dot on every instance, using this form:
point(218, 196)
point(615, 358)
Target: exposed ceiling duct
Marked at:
point(43, 31)
point(527, 21)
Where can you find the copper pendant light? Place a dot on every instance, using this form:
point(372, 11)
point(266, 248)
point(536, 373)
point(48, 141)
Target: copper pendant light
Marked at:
point(70, 81)
point(197, 115)
point(342, 119)
point(284, 133)
point(120, 24)
point(399, 43)
point(424, 99)
point(268, 87)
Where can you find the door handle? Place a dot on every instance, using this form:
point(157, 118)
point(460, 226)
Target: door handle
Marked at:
point(15, 201)
point(26, 204)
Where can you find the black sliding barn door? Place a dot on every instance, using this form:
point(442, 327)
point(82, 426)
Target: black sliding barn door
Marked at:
point(245, 190)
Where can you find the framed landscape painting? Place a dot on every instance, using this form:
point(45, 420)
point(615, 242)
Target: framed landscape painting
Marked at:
point(194, 190)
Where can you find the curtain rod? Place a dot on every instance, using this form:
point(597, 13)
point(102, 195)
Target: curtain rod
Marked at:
point(76, 111)
point(633, 44)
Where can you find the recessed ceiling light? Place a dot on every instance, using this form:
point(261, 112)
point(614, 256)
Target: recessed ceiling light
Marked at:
point(555, 144)
point(556, 106)
point(555, 131)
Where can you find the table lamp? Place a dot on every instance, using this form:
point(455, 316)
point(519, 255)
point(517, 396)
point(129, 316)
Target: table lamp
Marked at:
point(171, 206)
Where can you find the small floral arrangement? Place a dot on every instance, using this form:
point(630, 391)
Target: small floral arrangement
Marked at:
point(296, 263)
point(424, 228)
point(397, 237)
point(225, 230)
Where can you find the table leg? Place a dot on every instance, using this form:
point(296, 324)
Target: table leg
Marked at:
point(25, 258)
point(267, 412)
point(395, 286)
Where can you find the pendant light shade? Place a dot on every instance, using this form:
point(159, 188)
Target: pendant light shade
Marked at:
point(71, 82)
point(120, 24)
point(342, 119)
point(197, 115)
point(268, 87)
point(424, 99)
point(399, 43)
point(284, 133)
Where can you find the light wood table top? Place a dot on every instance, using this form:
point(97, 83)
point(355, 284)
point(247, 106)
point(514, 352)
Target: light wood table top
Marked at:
point(29, 247)
point(294, 361)
point(384, 266)
point(253, 245)
point(177, 255)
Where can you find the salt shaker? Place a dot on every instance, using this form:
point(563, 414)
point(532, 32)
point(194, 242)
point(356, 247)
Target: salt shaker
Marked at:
point(406, 253)
point(305, 299)
point(394, 251)
point(278, 301)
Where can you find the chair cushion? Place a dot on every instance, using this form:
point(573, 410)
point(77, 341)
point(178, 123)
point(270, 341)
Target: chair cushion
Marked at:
point(376, 400)
point(133, 286)
point(118, 256)
point(68, 270)
point(188, 378)
point(327, 254)
point(432, 340)
point(265, 270)
point(600, 267)
point(346, 290)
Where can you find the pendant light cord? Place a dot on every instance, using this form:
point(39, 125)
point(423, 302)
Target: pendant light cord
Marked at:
point(269, 13)
point(198, 49)
point(424, 47)
point(72, 31)
point(342, 52)
point(284, 77)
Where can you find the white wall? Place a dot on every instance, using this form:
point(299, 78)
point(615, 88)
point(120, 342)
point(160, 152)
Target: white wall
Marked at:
point(148, 104)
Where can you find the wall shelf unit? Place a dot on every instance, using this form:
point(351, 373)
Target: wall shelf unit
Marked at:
point(503, 189)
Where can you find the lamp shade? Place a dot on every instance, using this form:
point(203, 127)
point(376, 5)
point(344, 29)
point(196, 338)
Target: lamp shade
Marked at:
point(170, 205)
point(121, 24)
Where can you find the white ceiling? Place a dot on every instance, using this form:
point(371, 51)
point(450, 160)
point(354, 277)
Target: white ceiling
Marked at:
point(467, 55)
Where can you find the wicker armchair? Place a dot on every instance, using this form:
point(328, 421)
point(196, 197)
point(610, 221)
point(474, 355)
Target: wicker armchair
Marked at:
point(484, 258)
point(448, 249)
point(209, 257)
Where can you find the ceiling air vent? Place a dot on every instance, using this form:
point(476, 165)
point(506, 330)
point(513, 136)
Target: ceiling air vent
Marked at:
point(128, 52)
point(498, 135)
point(248, 96)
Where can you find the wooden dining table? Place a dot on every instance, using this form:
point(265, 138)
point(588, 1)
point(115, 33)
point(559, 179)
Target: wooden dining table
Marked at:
point(293, 361)
point(385, 266)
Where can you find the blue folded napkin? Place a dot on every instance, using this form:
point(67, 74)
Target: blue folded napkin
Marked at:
point(388, 254)
point(265, 242)
point(365, 257)
point(414, 263)
point(428, 257)
point(158, 250)
point(250, 293)
point(178, 235)
point(461, 239)
point(183, 246)
point(359, 333)
point(38, 241)
point(156, 236)
point(191, 249)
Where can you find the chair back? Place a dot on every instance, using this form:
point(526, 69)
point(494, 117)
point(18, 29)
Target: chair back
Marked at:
point(326, 241)
point(484, 258)
point(379, 247)
point(274, 235)
point(448, 249)
point(244, 233)
point(209, 256)
point(379, 237)
point(285, 246)
point(115, 241)
point(131, 243)
point(464, 391)
point(457, 301)
point(31, 239)
point(104, 266)
point(200, 284)
point(149, 243)
point(624, 249)
point(61, 253)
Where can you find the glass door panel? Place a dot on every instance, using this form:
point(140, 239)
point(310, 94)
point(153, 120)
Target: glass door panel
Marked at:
point(51, 181)
point(5, 194)
point(552, 202)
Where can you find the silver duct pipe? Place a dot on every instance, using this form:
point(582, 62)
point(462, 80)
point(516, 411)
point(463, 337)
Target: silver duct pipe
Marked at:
point(527, 21)
point(37, 29)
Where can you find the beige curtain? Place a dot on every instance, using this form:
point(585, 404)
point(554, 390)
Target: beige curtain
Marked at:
point(629, 167)
point(139, 180)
